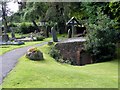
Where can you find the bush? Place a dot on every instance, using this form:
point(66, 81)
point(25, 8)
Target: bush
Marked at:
point(55, 53)
point(12, 25)
point(101, 39)
point(26, 28)
point(40, 38)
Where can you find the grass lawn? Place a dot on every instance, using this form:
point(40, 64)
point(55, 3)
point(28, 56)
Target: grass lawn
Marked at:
point(51, 74)
point(6, 48)
point(18, 35)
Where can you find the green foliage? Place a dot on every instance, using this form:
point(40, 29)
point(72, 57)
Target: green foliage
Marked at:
point(115, 10)
point(40, 38)
point(26, 28)
point(55, 53)
point(12, 25)
point(34, 11)
point(101, 38)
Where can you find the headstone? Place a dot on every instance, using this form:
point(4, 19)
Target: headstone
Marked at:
point(5, 37)
point(12, 33)
point(69, 33)
point(48, 30)
point(31, 36)
point(53, 32)
point(18, 43)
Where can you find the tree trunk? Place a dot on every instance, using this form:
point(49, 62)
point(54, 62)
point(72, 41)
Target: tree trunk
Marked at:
point(61, 28)
point(4, 17)
point(36, 26)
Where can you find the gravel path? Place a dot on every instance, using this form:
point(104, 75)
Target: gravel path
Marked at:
point(77, 39)
point(9, 60)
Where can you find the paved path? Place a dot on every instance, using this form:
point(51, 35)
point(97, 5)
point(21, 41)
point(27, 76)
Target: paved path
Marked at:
point(9, 60)
point(75, 39)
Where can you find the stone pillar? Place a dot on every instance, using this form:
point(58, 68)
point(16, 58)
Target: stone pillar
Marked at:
point(72, 30)
point(12, 33)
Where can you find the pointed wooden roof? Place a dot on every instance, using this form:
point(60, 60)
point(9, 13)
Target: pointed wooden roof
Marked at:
point(72, 21)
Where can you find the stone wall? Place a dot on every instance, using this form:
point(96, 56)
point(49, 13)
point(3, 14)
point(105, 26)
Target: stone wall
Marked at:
point(74, 51)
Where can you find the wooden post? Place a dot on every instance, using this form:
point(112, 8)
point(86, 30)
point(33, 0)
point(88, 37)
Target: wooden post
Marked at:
point(72, 30)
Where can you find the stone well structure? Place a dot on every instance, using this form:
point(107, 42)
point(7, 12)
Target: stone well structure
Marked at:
point(73, 50)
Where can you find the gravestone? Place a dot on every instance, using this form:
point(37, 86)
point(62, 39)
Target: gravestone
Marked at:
point(12, 33)
point(5, 37)
point(53, 32)
point(69, 33)
point(48, 30)
point(31, 36)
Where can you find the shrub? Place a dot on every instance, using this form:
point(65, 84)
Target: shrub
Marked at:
point(12, 25)
point(40, 38)
point(101, 39)
point(55, 53)
point(26, 28)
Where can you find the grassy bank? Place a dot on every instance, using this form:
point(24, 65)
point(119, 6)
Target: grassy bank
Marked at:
point(51, 74)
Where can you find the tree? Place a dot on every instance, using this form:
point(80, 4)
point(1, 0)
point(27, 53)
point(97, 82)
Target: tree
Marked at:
point(34, 11)
point(5, 12)
point(58, 13)
point(0, 14)
point(101, 39)
point(115, 14)
point(4, 15)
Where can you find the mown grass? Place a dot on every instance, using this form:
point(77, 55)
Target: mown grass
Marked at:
point(18, 35)
point(51, 74)
point(6, 48)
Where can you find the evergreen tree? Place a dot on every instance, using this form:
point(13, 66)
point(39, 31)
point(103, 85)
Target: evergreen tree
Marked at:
point(101, 38)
